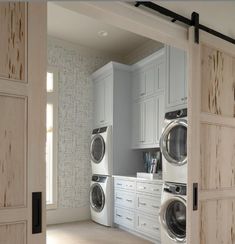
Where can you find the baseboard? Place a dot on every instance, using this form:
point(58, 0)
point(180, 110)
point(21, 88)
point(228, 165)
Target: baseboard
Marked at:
point(65, 215)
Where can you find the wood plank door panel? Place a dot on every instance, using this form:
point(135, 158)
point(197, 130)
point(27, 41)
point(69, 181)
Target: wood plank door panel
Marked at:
point(13, 44)
point(22, 120)
point(211, 141)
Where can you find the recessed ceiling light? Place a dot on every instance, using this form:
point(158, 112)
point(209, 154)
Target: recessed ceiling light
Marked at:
point(102, 33)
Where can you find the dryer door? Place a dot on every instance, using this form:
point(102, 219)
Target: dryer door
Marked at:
point(173, 218)
point(173, 142)
point(97, 149)
point(97, 197)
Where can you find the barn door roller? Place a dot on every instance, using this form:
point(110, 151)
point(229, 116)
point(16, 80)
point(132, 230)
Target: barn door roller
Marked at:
point(194, 21)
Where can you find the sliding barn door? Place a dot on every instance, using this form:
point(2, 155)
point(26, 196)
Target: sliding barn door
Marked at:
point(211, 141)
point(22, 122)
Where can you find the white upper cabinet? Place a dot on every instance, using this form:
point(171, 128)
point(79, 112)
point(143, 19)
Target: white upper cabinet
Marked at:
point(148, 84)
point(148, 115)
point(103, 95)
point(176, 85)
point(149, 76)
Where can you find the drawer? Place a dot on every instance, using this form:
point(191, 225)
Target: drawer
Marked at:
point(124, 217)
point(148, 225)
point(148, 204)
point(125, 199)
point(149, 187)
point(124, 184)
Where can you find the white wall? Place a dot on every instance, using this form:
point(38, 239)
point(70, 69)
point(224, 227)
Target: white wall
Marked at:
point(75, 64)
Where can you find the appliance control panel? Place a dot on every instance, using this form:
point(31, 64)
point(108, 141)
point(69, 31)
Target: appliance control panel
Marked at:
point(175, 188)
point(176, 114)
point(99, 130)
point(99, 178)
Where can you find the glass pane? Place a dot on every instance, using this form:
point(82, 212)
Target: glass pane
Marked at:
point(176, 218)
point(177, 143)
point(97, 198)
point(97, 149)
point(50, 82)
point(49, 154)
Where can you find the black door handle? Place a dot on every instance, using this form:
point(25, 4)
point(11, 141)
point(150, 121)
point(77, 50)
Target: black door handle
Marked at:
point(36, 212)
point(195, 196)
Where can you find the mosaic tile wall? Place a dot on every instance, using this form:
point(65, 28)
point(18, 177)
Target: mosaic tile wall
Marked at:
point(75, 65)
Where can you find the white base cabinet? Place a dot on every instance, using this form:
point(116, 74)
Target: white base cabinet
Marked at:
point(136, 206)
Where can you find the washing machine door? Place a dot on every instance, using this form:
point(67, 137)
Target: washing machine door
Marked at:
point(97, 197)
point(173, 142)
point(173, 218)
point(97, 148)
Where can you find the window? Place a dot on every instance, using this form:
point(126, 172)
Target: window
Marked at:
point(51, 140)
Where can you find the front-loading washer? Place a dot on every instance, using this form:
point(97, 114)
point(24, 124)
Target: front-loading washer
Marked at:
point(101, 199)
point(101, 151)
point(173, 213)
point(173, 145)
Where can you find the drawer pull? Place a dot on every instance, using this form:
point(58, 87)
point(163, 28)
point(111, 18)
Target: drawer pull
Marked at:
point(142, 187)
point(119, 184)
point(119, 198)
point(130, 219)
point(153, 206)
point(155, 228)
point(155, 189)
point(143, 224)
point(142, 93)
point(128, 200)
point(119, 215)
point(142, 203)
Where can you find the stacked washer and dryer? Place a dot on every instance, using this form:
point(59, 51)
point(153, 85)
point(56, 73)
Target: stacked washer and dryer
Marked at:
point(173, 146)
point(101, 188)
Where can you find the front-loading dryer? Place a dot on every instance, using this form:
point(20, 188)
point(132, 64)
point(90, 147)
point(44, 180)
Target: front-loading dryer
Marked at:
point(173, 145)
point(173, 214)
point(101, 199)
point(101, 151)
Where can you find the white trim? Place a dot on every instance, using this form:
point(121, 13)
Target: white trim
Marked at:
point(108, 69)
point(53, 98)
point(148, 60)
point(66, 215)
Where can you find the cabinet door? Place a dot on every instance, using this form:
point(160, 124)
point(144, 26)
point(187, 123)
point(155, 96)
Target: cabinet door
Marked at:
point(139, 85)
point(160, 113)
point(108, 100)
point(176, 80)
point(137, 121)
point(149, 121)
point(150, 79)
point(99, 102)
point(160, 75)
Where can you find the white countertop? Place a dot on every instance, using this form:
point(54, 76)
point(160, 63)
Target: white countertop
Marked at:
point(133, 177)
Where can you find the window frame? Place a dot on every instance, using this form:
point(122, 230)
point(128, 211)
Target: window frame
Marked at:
point(52, 98)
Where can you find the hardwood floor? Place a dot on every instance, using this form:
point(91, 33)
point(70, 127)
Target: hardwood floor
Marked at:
point(87, 232)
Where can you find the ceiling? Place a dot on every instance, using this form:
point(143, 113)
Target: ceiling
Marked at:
point(77, 28)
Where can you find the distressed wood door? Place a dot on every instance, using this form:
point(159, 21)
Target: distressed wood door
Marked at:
point(22, 120)
point(211, 141)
